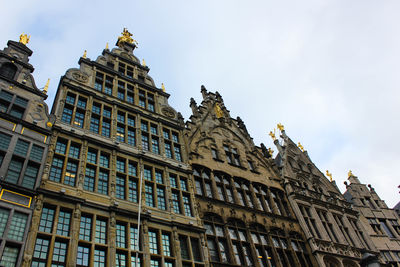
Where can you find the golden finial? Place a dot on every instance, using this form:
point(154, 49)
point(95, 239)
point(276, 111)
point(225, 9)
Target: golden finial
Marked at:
point(270, 151)
point(24, 38)
point(280, 127)
point(329, 175)
point(300, 146)
point(218, 111)
point(46, 87)
point(107, 46)
point(49, 124)
point(126, 37)
point(272, 134)
point(163, 87)
point(350, 173)
point(84, 54)
point(143, 63)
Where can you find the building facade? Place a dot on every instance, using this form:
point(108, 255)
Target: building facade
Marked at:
point(336, 236)
point(114, 177)
point(116, 188)
point(382, 223)
point(242, 204)
point(25, 125)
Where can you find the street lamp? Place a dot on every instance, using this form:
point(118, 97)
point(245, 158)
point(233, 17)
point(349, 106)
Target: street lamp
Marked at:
point(369, 260)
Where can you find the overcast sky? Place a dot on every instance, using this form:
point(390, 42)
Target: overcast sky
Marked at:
point(328, 70)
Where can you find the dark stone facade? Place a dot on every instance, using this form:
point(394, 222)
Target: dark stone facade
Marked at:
point(25, 128)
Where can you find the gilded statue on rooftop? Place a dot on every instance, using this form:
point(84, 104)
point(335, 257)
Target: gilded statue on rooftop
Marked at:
point(218, 111)
point(300, 146)
point(272, 134)
point(24, 38)
point(126, 37)
point(329, 175)
point(280, 127)
point(350, 173)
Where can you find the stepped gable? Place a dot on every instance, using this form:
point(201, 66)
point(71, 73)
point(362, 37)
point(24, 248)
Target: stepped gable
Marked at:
point(211, 128)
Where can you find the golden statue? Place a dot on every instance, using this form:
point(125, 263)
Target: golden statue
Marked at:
point(272, 134)
point(218, 111)
point(107, 46)
point(24, 38)
point(270, 151)
point(280, 127)
point(126, 37)
point(46, 87)
point(163, 87)
point(350, 173)
point(329, 175)
point(84, 54)
point(143, 63)
point(300, 146)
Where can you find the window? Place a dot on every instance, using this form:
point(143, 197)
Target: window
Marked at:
point(263, 247)
point(216, 240)
point(310, 221)
point(343, 228)
point(146, 100)
point(244, 194)
point(100, 121)
point(126, 132)
point(359, 232)
point(376, 226)
point(67, 154)
point(97, 171)
point(39, 257)
point(59, 253)
point(323, 216)
point(386, 228)
point(85, 230)
point(22, 169)
point(121, 235)
point(12, 104)
point(103, 84)
point(232, 155)
point(153, 243)
point(150, 137)
point(74, 110)
point(172, 147)
point(395, 225)
point(8, 70)
point(82, 257)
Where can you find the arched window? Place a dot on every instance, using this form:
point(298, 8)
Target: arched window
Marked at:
point(260, 238)
point(216, 238)
point(243, 193)
point(203, 182)
point(240, 243)
point(224, 188)
point(299, 248)
point(8, 70)
point(262, 197)
point(282, 247)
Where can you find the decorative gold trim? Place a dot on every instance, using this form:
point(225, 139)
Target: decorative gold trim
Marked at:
point(1, 197)
point(15, 125)
point(45, 136)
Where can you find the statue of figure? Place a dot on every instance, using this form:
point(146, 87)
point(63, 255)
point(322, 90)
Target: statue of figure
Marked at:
point(126, 37)
point(24, 38)
point(272, 134)
point(270, 151)
point(280, 127)
point(329, 175)
point(264, 151)
point(300, 146)
point(218, 111)
point(350, 173)
point(163, 87)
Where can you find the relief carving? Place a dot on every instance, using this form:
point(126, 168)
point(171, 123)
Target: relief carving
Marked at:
point(80, 76)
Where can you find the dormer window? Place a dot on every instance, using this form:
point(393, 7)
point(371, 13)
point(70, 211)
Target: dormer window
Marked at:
point(8, 70)
point(251, 165)
point(232, 155)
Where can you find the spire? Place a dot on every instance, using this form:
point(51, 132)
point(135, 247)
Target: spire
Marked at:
point(46, 87)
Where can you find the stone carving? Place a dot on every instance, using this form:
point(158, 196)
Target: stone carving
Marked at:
point(168, 111)
point(80, 76)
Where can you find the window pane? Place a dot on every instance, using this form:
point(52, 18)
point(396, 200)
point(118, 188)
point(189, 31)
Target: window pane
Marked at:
point(9, 258)
point(46, 220)
point(64, 220)
point(17, 227)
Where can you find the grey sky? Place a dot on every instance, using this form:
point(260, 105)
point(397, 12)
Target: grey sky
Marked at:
point(328, 70)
